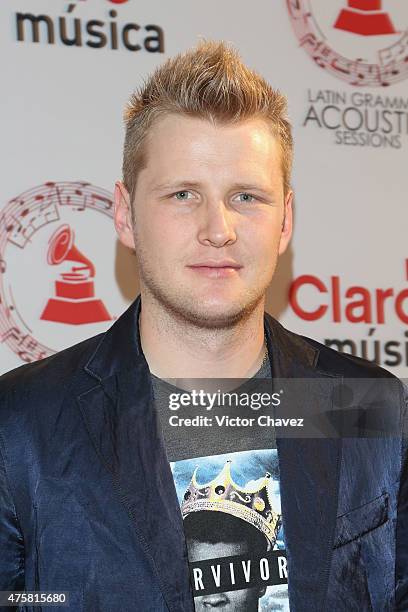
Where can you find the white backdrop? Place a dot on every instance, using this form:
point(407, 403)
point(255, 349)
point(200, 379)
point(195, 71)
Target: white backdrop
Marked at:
point(62, 136)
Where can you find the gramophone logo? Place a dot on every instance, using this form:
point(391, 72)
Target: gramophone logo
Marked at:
point(363, 42)
point(57, 256)
point(74, 300)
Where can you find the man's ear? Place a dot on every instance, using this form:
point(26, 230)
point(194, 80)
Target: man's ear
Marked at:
point(123, 216)
point(287, 224)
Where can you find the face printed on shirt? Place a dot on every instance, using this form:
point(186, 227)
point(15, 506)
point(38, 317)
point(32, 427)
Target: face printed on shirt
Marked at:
point(241, 600)
point(234, 567)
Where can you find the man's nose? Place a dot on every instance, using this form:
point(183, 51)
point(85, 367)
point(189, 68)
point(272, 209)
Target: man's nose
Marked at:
point(216, 224)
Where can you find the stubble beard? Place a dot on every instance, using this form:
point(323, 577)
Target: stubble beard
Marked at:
point(181, 304)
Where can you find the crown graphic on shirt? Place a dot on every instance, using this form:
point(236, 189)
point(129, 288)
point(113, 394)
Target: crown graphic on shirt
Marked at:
point(252, 504)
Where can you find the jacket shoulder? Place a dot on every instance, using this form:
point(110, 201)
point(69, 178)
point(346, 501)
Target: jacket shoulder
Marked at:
point(329, 360)
point(53, 372)
point(346, 364)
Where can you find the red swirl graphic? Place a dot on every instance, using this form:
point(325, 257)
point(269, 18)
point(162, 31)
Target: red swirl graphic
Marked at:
point(60, 243)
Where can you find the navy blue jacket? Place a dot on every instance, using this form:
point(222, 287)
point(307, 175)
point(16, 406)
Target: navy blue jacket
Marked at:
point(88, 504)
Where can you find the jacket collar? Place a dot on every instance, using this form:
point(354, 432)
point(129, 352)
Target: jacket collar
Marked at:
point(120, 347)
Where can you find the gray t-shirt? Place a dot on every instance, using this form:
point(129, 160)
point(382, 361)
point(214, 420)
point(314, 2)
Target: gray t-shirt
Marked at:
point(184, 442)
point(227, 482)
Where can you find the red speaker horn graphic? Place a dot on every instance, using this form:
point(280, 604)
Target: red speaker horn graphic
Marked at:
point(365, 17)
point(74, 302)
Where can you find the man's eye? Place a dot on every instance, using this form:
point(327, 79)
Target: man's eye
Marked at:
point(183, 195)
point(246, 197)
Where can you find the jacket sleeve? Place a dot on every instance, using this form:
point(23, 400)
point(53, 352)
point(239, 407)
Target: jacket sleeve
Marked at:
point(401, 558)
point(11, 539)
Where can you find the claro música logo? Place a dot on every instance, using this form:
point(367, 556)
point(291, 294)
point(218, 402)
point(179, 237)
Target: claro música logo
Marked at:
point(375, 312)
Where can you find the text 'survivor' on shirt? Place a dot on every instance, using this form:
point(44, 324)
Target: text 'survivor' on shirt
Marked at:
point(227, 483)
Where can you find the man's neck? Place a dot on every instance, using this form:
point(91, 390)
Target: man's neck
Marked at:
point(176, 349)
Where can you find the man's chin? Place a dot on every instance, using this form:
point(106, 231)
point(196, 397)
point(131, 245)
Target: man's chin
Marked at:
point(213, 315)
point(202, 309)
point(213, 321)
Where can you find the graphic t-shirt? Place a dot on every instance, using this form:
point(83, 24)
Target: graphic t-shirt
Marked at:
point(226, 474)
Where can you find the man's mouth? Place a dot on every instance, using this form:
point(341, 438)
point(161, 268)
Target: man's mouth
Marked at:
point(216, 269)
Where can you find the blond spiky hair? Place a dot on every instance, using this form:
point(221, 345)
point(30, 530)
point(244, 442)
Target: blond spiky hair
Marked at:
point(211, 82)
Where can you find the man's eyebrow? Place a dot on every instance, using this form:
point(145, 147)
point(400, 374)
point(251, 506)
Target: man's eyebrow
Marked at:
point(253, 187)
point(196, 184)
point(177, 185)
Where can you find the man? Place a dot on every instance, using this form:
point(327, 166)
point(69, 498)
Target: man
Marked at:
point(89, 460)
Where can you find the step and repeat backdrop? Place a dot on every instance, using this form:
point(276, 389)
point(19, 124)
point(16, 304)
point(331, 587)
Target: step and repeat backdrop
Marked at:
point(68, 69)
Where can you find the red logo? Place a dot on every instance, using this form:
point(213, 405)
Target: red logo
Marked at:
point(364, 17)
point(355, 40)
point(76, 294)
point(74, 300)
point(312, 298)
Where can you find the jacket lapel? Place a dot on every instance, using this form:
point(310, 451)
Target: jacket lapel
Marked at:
point(120, 418)
point(309, 472)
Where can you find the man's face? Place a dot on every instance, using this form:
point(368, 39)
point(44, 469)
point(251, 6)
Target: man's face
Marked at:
point(241, 600)
point(209, 195)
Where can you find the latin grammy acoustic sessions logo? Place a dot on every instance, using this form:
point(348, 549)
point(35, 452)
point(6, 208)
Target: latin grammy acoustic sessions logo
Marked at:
point(74, 28)
point(362, 42)
point(365, 43)
point(313, 299)
point(57, 285)
point(357, 118)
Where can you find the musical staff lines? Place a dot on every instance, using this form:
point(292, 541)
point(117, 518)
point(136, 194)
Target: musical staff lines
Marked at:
point(20, 220)
point(391, 67)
